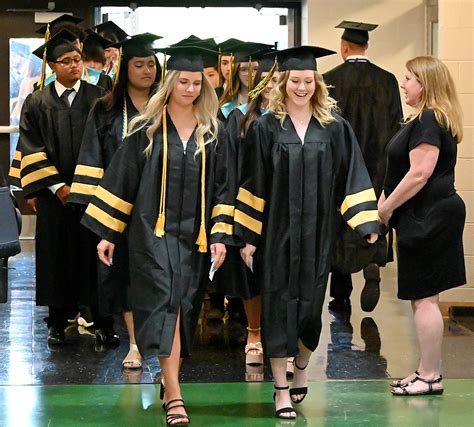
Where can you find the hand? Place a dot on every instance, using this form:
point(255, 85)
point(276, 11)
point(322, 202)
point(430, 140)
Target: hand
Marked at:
point(218, 252)
point(32, 203)
point(247, 254)
point(63, 193)
point(384, 215)
point(372, 237)
point(105, 250)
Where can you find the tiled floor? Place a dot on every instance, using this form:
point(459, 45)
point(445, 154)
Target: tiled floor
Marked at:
point(362, 346)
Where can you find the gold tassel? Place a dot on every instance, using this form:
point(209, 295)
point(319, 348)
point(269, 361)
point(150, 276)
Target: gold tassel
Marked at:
point(257, 90)
point(163, 69)
point(47, 36)
point(119, 63)
point(160, 223)
point(231, 73)
point(202, 237)
point(219, 68)
point(250, 85)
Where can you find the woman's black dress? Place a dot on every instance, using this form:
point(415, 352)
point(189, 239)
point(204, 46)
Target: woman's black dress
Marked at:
point(430, 225)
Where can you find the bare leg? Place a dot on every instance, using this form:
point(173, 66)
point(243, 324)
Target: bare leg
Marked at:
point(252, 310)
point(429, 327)
point(170, 368)
point(133, 358)
point(300, 375)
point(282, 397)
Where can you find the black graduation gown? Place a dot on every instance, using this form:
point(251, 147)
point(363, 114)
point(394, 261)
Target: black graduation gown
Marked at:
point(167, 274)
point(50, 140)
point(234, 279)
point(287, 207)
point(369, 99)
point(102, 137)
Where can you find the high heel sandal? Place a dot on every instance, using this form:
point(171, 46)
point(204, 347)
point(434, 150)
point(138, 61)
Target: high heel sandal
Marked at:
point(254, 358)
point(398, 383)
point(181, 419)
point(298, 390)
point(162, 395)
point(133, 360)
point(404, 392)
point(286, 410)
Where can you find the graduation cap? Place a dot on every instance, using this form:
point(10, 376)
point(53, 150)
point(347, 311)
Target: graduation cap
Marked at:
point(56, 46)
point(58, 22)
point(301, 57)
point(95, 39)
point(356, 32)
point(188, 58)
point(209, 60)
point(94, 45)
point(227, 47)
point(110, 30)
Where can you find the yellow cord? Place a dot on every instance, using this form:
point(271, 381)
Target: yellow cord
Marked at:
point(160, 223)
point(202, 238)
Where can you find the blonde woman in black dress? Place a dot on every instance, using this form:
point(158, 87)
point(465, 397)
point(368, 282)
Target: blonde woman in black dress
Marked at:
point(420, 202)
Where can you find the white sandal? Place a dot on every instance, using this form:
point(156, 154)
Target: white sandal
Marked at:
point(133, 360)
point(256, 357)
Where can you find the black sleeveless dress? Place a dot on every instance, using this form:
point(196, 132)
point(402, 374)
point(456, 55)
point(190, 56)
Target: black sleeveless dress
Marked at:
point(430, 225)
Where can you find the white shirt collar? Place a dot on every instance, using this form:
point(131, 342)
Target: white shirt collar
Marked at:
point(356, 57)
point(60, 89)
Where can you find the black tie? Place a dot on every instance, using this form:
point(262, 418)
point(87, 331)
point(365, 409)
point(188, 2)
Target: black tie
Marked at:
point(65, 96)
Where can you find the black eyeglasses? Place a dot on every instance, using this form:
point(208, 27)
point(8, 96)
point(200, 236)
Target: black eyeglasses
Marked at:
point(69, 61)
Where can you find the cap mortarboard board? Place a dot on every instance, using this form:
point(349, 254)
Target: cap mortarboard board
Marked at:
point(245, 51)
point(301, 57)
point(187, 58)
point(63, 19)
point(266, 59)
point(227, 47)
point(209, 60)
point(356, 32)
point(110, 30)
point(140, 45)
point(57, 45)
point(95, 39)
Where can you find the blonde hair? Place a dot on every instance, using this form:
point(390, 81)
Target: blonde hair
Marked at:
point(322, 104)
point(438, 93)
point(205, 110)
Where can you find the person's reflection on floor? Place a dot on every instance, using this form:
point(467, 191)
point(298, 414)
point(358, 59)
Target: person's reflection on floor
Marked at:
point(346, 361)
point(254, 373)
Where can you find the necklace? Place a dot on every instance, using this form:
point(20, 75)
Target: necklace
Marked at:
point(301, 121)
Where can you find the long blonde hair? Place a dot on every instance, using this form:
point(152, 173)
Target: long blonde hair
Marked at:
point(322, 104)
point(438, 93)
point(205, 110)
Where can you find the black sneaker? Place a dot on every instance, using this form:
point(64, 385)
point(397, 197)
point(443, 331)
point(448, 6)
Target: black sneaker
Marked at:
point(56, 335)
point(371, 293)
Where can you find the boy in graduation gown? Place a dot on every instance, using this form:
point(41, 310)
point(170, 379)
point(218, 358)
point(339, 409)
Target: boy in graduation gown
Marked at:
point(369, 99)
point(51, 126)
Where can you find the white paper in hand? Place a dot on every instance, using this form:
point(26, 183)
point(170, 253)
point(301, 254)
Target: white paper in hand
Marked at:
point(250, 264)
point(212, 271)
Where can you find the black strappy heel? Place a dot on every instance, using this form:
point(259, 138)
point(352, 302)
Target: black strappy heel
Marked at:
point(398, 383)
point(298, 390)
point(178, 420)
point(281, 411)
point(404, 392)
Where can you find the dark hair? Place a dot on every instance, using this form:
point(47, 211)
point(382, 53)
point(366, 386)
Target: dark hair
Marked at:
point(113, 101)
point(254, 108)
point(228, 94)
point(95, 53)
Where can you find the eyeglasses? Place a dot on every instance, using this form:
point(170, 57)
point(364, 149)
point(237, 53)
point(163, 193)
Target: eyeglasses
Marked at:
point(68, 61)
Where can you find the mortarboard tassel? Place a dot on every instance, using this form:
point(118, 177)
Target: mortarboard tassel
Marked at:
point(160, 223)
point(250, 84)
point(47, 36)
point(231, 74)
point(202, 238)
point(219, 68)
point(163, 69)
point(119, 63)
point(257, 90)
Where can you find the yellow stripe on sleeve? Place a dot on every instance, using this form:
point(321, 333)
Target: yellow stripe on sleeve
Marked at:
point(17, 155)
point(38, 175)
point(248, 198)
point(14, 172)
point(222, 227)
point(362, 218)
point(222, 210)
point(113, 201)
point(105, 219)
point(355, 199)
point(91, 171)
point(31, 159)
point(80, 188)
point(247, 221)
